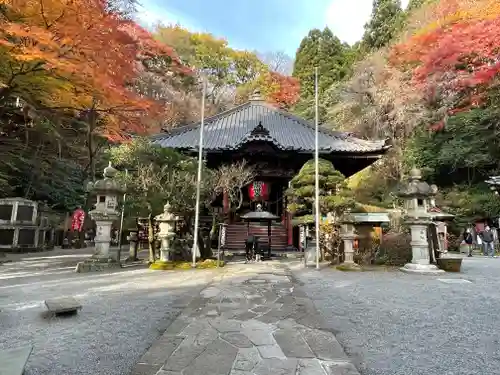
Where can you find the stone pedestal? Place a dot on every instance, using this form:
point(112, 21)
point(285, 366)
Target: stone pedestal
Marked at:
point(420, 262)
point(133, 244)
point(165, 247)
point(102, 238)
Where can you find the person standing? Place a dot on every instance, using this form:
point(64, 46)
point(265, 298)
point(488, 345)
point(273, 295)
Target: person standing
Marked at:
point(468, 240)
point(489, 247)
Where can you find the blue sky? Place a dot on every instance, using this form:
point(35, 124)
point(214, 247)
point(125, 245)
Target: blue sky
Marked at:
point(263, 25)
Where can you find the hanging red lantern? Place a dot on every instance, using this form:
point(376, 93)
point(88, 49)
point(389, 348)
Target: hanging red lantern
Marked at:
point(77, 220)
point(258, 191)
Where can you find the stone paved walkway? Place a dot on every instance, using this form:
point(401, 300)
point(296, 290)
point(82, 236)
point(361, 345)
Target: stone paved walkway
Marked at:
point(252, 320)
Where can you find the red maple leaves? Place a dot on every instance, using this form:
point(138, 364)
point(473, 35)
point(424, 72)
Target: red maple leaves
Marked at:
point(457, 55)
point(81, 42)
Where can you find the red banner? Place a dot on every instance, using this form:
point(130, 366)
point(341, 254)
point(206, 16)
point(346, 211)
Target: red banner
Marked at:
point(77, 220)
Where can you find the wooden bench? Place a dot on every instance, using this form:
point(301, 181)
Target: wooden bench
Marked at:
point(13, 361)
point(64, 305)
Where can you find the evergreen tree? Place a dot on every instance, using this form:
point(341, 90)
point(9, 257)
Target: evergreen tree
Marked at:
point(323, 50)
point(384, 23)
point(415, 4)
point(333, 58)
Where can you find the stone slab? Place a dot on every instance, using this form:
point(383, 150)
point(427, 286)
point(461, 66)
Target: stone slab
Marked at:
point(13, 361)
point(275, 366)
point(217, 359)
point(145, 369)
point(247, 315)
point(271, 351)
point(340, 368)
point(237, 339)
point(161, 350)
point(226, 325)
point(246, 359)
point(190, 348)
point(324, 345)
point(310, 367)
point(292, 343)
point(62, 305)
point(177, 326)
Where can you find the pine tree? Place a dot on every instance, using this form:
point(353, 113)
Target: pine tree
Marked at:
point(384, 23)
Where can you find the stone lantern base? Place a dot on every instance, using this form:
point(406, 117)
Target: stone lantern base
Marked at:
point(425, 269)
point(96, 264)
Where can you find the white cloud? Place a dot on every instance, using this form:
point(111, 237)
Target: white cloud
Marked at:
point(150, 15)
point(346, 18)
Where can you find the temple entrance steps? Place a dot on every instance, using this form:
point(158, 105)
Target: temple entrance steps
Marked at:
point(236, 234)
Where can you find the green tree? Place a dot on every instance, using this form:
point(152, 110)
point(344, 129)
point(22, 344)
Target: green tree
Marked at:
point(465, 151)
point(334, 195)
point(158, 175)
point(323, 50)
point(385, 21)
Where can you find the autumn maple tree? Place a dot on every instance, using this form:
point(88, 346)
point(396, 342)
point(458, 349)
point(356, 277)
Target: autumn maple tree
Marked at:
point(94, 52)
point(455, 55)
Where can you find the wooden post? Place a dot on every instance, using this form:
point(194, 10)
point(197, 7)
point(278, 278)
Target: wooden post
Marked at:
point(225, 204)
point(289, 228)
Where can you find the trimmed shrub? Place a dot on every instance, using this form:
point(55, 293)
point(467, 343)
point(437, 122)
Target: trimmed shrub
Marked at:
point(395, 249)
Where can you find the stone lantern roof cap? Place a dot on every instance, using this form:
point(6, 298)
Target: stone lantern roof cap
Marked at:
point(109, 171)
point(417, 188)
point(108, 184)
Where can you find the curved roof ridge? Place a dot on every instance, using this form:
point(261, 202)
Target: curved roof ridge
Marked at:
point(346, 136)
point(229, 129)
point(302, 121)
point(208, 120)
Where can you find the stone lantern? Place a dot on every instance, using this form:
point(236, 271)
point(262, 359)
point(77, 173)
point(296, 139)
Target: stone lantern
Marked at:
point(417, 195)
point(166, 222)
point(348, 236)
point(105, 211)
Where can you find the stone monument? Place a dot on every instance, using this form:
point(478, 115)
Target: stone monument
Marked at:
point(133, 245)
point(417, 195)
point(166, 222)
point(104, 214)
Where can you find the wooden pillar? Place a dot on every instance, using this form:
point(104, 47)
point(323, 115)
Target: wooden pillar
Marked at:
point(289, 228)
point(225, 204)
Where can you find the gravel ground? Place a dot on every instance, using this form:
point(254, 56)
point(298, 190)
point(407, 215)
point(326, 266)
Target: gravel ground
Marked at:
point(122, 315)
point(391, 323)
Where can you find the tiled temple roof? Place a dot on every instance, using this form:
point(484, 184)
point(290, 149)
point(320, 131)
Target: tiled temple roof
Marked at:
point(257, 120)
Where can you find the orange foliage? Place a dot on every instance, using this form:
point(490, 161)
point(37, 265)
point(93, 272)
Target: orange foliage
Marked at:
point(458, 54)
point(464, 40)
point(281, 90)
point(97, 51)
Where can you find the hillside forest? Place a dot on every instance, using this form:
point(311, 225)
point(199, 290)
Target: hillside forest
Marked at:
point(79, 78)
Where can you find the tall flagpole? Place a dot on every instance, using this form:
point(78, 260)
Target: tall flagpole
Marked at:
point(198, 180)
point(316, 165)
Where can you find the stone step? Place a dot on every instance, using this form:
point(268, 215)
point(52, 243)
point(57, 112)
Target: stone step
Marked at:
point(13, 361)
